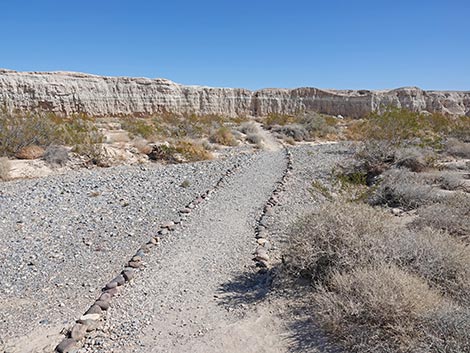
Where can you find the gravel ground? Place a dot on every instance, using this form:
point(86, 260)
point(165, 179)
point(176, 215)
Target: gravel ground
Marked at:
point(63, 237)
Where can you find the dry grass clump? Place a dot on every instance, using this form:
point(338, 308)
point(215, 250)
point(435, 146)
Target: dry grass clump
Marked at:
point(457, 148)
point(5, 167)
point(376, 309)
point(192, 151)
point(404, 189)
point(223, 136)
point(137, 127)
point(451, 214)
point(56, 155)
point(377, 286)
point(305, 126)
point(254, 138)
point(248, 128)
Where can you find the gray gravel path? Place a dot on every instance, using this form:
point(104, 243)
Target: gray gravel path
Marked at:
point(183, 301)
point(63, 237)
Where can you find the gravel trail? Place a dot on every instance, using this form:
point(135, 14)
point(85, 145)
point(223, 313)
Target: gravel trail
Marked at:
point(63, 237)
point(185, 300)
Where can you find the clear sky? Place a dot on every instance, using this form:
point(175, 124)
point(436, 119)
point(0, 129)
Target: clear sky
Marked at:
point(370, 44)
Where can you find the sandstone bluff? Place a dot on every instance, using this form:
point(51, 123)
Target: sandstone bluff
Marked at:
point(69, 92)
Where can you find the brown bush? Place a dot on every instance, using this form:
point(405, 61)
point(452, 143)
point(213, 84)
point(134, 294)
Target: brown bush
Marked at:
point(451, 214)
point(376, 309)
point(223, 136)
point(30, 152)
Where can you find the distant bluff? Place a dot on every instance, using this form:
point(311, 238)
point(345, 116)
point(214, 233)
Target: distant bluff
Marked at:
point(69, 92)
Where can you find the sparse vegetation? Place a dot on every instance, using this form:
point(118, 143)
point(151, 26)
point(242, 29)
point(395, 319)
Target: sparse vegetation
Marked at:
point(56, 155)
point(223, 136)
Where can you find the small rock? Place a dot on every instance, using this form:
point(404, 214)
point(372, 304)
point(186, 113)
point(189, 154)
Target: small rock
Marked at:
point(78, 331)
point(152, 241)
point(119, 280)
point(94, 309)
point(105, 297)
point(136, 258)
point(185, 211)
point(103, 304)
point(112, 291)
point(128, 275)
point(135, 264)
point(67, 345)
point(111, 285)
point(261, 241)
point(92, 317)
point(396, 211)
point(163, 231)
point(167, 224)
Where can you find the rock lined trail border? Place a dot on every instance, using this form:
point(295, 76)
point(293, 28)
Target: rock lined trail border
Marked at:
point(91, 319)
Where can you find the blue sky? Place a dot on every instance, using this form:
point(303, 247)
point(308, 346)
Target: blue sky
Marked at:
point(252, 44)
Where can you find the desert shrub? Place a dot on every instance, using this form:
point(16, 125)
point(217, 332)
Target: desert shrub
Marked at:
point(289, 140)
point(339, 237)
point(279, 119)
point(254, 138)
point(223, 136)
point(457, 148)
point(192, 151)
point(318, 125)
point(56, 155)
point(450, 181)
point(376, 309)
point(30, 152)
point(446, 330)
point(139, 127)
point(295, 131)
point(451, 214)
point(442, 260)
point(21, 130)
point(163, 153)
point(5, 167)
point(416, 159)
point(404, 189)
point(248, 128)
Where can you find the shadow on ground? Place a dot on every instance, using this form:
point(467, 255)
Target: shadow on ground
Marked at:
point(304, 334)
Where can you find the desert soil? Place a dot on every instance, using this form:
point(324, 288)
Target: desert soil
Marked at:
point(65, 236)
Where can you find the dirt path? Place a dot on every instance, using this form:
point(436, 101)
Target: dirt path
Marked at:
point(193, 296)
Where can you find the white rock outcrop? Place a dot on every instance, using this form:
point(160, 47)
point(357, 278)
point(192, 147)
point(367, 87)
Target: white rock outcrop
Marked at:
point(69, 92)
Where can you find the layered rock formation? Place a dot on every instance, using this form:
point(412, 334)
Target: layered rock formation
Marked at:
point(68, 93)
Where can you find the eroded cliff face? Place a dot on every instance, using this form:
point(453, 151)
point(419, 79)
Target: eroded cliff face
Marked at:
point(68, 93)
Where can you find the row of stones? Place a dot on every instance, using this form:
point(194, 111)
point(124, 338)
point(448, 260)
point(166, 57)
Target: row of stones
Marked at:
point(91, 319)
point(261, 253)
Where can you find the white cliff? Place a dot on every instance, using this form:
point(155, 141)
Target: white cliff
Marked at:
point(68, 93)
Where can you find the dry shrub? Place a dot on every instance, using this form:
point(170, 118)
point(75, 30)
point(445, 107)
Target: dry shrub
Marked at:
point(376, 309)
point(5, 167)
point(192, 151)
point(404, 189)
point(254, 138)
point(56, 155)
point(435, 256)
point(295, 131)
point(30, 152)
point(223, 136)
point(339, 237)
point(451, 181)
point(139, 127)
point(417, 159)
point(457, 148)
point(249, 128)
point(451, 214)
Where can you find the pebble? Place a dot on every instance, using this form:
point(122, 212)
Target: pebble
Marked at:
point(103, 304)
point(120, 280)
point(135, 264)
point(78, 331)
point(168, 224)
point(94, 309)
point(163, 231)
point(128, 275)
point(67, 345)
point(90, 317)
point(111, 285)
point(105, 297)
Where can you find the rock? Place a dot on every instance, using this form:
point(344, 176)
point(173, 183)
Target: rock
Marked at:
point(168, 224)
point(30, 152)
point(90, 325)
point(78, 332)
point(94, 309)
point(106, 297)
point(146, 248)
point(67, 345)
point(262, 233)
point(136, 258)
point(261, 241)
point(152, 241)
point(112, 291)
point(119, 280)
point(128, 275)
point(185, 211)
point(135, 264)
point(396, 211)
point(103, 304)
point(90, 317)
point(111, 285)
point(163, 231)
